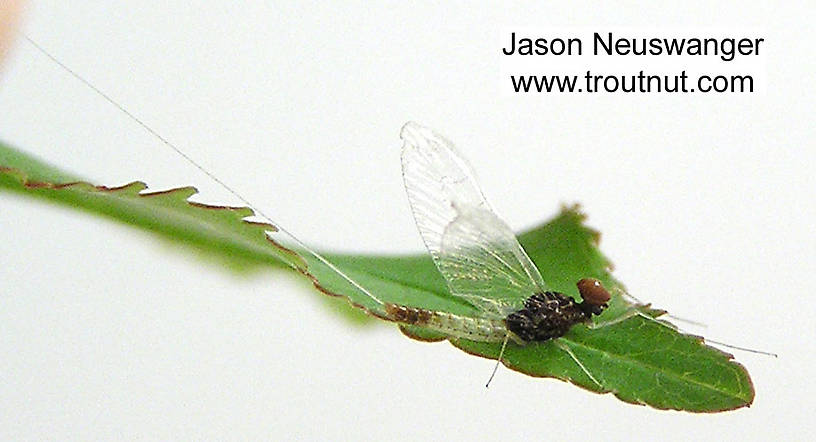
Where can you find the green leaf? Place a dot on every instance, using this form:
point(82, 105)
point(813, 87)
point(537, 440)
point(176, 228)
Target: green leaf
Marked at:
point(213, 230)
point(637, 359)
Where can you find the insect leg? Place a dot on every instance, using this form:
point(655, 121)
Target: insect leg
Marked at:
point(637, 301)
point(578, 361)
point(635, 311)
point(630, 313)
point(498, 361)
point(736, 347)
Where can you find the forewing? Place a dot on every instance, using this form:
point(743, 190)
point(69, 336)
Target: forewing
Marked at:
point(474, 250)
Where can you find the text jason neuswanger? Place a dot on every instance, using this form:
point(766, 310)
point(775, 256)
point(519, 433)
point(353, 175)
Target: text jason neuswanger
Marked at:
point(725, 49)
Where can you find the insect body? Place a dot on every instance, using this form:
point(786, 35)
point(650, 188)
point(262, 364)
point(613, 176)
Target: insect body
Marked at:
point(475, 251)
point(546, 315)
point(478, 255)
point(550, 315)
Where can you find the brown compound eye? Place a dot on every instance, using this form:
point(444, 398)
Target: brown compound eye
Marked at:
point(593, 292)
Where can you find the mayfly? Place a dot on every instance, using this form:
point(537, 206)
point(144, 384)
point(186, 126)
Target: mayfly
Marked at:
point(483, 263)
point(477, 254)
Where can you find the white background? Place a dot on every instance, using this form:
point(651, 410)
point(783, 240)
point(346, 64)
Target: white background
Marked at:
point(705, 203)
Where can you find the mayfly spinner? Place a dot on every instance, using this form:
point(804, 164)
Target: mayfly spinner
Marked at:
point(483, 263)
point(479, 257)
point(475, 251)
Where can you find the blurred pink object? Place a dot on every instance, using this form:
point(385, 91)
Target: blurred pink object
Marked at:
point(9, 14)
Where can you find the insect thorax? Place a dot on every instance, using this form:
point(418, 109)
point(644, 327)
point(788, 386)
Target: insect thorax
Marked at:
point(547, 315)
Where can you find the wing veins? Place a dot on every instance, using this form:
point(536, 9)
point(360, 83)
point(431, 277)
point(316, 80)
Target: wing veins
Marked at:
point(476, 253)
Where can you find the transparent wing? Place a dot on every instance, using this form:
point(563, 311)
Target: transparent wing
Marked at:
point(476, 252)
